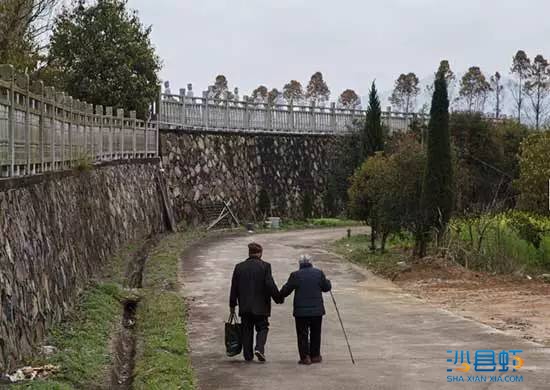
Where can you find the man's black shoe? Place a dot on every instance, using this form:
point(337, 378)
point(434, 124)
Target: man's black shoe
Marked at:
point(260, 356)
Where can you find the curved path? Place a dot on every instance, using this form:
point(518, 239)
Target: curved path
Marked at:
point(399, 341)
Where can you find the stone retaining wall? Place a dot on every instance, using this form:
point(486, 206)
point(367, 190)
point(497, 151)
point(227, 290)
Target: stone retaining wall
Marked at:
point(206, 168)
point(55, 233)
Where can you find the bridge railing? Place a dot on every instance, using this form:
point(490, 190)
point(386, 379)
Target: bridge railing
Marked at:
point(44, 130)
point(179, 111)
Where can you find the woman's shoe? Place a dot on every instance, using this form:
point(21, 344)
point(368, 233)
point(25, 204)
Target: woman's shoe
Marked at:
point(305, 361)
point(317, 359)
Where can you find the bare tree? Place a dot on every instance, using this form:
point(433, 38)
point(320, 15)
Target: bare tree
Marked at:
point(349, 99)
point(537, 88)
point(520, 68)
point(498, 89)
point(405, 92)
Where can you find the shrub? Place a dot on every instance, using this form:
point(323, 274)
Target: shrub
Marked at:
point(534, 167)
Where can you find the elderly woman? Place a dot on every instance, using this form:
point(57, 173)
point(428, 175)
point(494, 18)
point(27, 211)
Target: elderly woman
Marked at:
point(308, 284)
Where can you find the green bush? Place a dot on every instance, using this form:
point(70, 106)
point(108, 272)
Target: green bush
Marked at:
point(501, 243)
point(534, 166)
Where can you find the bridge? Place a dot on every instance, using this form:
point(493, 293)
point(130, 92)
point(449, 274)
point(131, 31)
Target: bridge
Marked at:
point(203, 113)
point(44, 130)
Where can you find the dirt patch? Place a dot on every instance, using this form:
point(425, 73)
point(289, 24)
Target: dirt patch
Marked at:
point(513, 304)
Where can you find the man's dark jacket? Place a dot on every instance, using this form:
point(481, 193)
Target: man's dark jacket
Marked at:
point(309, 284)
point(252, 288)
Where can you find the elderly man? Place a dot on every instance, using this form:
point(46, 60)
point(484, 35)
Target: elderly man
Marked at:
point(308, 284)
point(252, 288)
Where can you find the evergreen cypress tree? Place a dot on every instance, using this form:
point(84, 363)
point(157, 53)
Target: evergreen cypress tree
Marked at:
point(437, 189)
point(373, 134)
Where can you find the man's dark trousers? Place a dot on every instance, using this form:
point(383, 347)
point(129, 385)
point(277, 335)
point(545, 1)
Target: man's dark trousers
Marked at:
point(249, 322)
point(308, 330)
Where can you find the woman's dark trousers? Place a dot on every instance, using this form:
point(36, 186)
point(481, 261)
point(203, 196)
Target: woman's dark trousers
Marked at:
point(308, 330)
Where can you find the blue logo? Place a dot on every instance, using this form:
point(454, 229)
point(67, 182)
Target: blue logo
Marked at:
point(485, 361)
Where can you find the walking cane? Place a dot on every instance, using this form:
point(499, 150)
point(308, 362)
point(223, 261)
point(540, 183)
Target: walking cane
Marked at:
point(343, 330)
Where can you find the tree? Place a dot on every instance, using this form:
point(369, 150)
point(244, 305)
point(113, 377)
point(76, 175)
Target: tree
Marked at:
point(405, 92)
point(498, 89)
point(450, 78)
point(220, 88)
point(534, 167)
point(437, 189)
point(366, 194)
point(474, 89)
point(446, 72)
point(373, 133)
point(293, 91)
point(537, 88)
point(385, 191)
point(273, 96)
point(349, 100)
point(260, 94)
point(520, 67)
point(102, 54)
point(317, 90)
point(23, 24)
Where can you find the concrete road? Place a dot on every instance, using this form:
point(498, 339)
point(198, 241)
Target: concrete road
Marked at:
point(399, 342)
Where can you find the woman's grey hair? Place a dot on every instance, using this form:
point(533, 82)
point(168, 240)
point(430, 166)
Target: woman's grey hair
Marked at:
point(304, 259)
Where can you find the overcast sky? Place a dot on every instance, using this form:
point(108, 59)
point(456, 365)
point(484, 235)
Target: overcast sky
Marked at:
point(351, 42)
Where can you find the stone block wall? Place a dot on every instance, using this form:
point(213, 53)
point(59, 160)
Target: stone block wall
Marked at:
point(55, 233)
point(205, 168)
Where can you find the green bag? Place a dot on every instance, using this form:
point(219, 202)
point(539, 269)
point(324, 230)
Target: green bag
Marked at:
point(233, 335)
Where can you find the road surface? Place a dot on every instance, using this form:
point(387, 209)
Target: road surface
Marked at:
point(399, 342)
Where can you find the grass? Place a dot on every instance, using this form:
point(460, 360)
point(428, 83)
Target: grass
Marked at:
point(357, 250)
point(83, 341)
point(499, 244)
point(163, 355)
point(83, 338)
point(313, 223)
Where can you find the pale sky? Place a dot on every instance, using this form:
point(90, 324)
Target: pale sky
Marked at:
point(351, 42)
